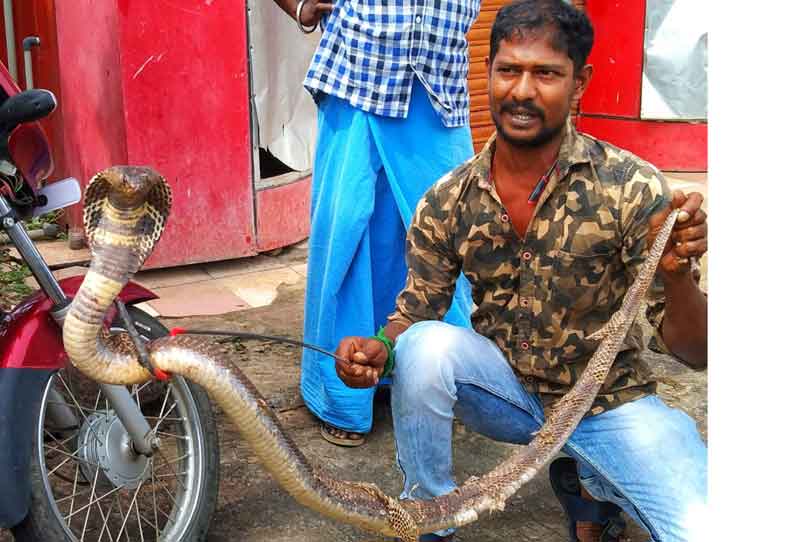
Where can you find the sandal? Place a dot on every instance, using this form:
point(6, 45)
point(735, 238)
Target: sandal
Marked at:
point(340, 437)
point(607, 525)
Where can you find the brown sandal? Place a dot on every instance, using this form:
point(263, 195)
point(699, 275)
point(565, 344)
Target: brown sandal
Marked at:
point(340, 437)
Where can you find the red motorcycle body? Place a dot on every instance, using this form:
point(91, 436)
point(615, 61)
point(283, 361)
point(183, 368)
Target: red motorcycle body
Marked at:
point(28, 145)
point(31, 339)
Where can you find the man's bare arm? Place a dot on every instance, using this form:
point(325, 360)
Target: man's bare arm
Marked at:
point(311, 13)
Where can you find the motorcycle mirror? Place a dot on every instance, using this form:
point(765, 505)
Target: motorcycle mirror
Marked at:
point(27, 106)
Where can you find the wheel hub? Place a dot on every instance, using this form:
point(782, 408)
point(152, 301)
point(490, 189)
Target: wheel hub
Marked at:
point(104, 445)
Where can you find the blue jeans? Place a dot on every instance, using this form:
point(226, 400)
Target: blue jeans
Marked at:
point(643, 456)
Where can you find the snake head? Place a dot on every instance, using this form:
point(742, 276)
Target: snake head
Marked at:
point(129, 186)
point(126, 206)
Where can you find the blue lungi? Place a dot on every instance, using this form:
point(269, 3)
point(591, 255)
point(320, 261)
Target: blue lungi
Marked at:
point(370, 172)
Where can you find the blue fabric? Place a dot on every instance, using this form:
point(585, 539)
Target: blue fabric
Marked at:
point(369, 174)
point(372, 50)
point(643, 456)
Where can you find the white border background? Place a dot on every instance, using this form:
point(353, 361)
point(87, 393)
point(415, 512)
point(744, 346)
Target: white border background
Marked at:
point(751, 277)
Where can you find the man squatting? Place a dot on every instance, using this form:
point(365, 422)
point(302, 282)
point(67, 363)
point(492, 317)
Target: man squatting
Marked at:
point(550, 226)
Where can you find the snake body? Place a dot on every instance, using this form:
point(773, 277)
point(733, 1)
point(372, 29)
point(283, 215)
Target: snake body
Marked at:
point(125, 212)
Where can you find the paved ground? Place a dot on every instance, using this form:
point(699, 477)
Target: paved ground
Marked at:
point(265, 294)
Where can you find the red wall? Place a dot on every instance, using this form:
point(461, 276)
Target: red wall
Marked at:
point(164, 84)
point(610, 109)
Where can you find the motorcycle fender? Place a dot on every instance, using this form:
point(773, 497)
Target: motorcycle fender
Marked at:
point(31, 349)
point(31, 339)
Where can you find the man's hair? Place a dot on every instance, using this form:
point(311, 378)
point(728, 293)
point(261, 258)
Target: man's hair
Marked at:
point(570, 29)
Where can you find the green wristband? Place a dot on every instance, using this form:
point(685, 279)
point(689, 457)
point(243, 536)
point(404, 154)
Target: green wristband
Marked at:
point(389, 344)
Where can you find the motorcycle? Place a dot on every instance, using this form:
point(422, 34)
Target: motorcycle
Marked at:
point(82, 460)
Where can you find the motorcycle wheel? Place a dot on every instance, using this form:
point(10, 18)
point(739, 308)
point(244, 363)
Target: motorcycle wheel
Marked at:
point(87, 484)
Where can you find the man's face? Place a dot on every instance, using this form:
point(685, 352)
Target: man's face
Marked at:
point(531, 87)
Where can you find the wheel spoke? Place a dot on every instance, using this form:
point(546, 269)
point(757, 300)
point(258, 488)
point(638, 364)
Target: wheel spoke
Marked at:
point(58, 466)
point(129, 510)
point(173, 499)
point(142, 387)
point(173, 472)
point(105, 522)
point(67, 497)
point(151, 525)
point(158, 418)
point(63, 442)
point(74, 399)
point(154, 503)
point(98, 397)
point(77, 404)
point(171, 435)
point(74, 495)
point(73, 406)
point(165, 401)
point(157, 425)
point(171, 462)
point(138, 515)
point(93, 500)
point(171, 475)
point(71, 455)
point(90, 501)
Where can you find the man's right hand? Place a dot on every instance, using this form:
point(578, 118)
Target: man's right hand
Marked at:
point(364, 358)
point(313, 11)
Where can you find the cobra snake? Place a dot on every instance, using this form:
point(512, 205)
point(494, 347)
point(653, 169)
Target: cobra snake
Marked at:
point(125, 211)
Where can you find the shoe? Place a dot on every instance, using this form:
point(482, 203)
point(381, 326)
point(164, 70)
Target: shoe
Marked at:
point(588, 520)
point(340, 437)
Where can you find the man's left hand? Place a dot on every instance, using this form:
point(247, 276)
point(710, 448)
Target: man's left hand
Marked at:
point(689, 237)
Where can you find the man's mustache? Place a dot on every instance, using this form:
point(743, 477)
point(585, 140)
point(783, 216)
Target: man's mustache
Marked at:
point(527, 107)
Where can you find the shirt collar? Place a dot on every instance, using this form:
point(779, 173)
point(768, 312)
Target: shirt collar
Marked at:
point(573, 150)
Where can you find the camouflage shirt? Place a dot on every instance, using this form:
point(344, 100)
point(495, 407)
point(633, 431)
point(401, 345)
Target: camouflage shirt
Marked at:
point(538, 297)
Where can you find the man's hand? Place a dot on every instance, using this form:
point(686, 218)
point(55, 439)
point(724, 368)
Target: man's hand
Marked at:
point(689, 234)
point(365, 359)
point(313, 11)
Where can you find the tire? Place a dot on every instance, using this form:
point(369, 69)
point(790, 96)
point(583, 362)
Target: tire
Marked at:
point(134, 497)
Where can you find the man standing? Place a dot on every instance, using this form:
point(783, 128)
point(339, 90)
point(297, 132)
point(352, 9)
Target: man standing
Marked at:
point(389, 79)
point(550, 227)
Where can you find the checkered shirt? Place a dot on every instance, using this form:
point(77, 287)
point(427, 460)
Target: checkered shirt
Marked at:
point(371, 50)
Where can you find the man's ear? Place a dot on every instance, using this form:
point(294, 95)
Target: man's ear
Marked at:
point(581, 80)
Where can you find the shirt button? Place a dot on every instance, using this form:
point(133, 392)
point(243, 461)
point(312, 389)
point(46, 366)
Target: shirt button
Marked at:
point(418, 18)
point(524, 345)
point(526, 255)
point(524, 302)
point(504, 217)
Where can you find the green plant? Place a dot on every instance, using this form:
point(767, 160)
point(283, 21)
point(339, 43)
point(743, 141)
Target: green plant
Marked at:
point(12, 280)
point(37, 222)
